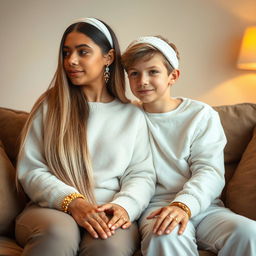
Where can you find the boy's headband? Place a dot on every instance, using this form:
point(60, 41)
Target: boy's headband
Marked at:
point(162, 46)
point(99, 25)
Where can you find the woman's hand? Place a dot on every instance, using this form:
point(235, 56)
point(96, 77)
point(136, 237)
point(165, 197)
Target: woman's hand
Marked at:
point(168, 218)
point(87, 216)
point(120, 217)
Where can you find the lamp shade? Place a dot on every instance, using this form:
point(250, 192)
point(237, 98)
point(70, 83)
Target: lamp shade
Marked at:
point(247, 55)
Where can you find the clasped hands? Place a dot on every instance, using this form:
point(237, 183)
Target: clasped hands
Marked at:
point(99, 221)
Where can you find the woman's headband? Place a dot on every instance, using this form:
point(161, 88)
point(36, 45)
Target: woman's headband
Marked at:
point(162, 46)
point(99, 25)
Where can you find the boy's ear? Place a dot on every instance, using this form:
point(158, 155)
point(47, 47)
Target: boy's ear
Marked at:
point(173, 77)
point(110, 56)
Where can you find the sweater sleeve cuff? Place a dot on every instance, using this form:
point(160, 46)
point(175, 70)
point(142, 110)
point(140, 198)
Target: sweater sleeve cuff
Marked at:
point(57, 201)
point(190, 201)
point(129, 205)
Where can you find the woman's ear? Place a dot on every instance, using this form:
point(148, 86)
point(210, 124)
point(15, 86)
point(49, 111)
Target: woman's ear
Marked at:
point(110, 57)
point(173, 77)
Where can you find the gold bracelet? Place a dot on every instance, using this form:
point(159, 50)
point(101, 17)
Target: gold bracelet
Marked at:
point(183, 207)
point(68, 199)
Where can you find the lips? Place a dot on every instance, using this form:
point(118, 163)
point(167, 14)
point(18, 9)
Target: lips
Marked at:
point(75, 73)
point(145, 91)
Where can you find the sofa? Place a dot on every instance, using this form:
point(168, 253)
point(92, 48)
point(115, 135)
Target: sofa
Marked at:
point(239, 194)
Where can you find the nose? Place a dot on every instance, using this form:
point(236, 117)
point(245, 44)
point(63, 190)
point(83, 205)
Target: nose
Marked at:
point(143, 80)
point(73, 59)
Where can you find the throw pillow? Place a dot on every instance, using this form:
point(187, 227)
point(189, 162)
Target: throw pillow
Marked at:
point(241, 190)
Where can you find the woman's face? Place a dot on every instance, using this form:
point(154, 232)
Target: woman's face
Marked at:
point(83, 60)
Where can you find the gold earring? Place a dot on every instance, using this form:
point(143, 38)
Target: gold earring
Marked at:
point(106, 74)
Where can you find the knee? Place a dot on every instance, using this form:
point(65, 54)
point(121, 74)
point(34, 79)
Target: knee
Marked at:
point(177, 244)
point(67, 234)
point(47, 230)
point(245, 229)
point(49, 238)
point(106, 247)
point(150, 238)
point(156, 239)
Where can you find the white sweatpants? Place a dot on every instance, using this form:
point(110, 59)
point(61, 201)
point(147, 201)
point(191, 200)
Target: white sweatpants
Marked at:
point(217, 229)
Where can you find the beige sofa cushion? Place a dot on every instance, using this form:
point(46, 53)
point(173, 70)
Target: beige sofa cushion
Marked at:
point(11, 202)
point(238, 122)
point(11, 124)
point(241, 190)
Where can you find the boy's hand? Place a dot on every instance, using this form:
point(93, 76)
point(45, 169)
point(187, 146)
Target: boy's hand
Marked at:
point(168, 218)
point(120, 217)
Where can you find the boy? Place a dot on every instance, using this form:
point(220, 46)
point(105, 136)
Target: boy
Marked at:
point(187, 142)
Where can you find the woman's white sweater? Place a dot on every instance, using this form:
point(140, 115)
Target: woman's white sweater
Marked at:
point(120, 153)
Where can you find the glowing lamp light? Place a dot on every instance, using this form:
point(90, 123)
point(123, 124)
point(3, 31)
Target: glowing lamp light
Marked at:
point(247, 56)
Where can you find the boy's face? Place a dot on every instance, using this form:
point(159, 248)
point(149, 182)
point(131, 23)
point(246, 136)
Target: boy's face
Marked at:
point(149, 79)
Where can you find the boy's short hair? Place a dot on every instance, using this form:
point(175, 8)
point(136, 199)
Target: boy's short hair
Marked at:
point(146, 52)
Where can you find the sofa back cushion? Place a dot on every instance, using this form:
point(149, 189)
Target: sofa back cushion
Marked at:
point(238, 122)
point(11, 124)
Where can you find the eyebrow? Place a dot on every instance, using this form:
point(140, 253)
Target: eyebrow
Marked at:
point(151, 67)
point(77, 46)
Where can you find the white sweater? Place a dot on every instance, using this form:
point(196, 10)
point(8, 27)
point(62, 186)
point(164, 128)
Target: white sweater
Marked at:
point(121, 158)
point(187, 147)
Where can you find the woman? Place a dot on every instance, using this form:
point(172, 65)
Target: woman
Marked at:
point(85, 152)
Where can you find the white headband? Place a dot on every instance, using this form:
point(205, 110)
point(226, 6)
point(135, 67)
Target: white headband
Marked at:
point(162, 46)
point(99, 25)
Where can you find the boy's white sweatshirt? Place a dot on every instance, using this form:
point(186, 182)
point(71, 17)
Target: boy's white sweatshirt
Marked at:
point(187, 147)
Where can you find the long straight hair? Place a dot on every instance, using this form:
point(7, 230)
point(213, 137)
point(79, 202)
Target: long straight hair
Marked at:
point(65, 124)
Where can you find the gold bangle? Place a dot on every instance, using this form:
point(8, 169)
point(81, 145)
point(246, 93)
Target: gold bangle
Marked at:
point(68, 199)
point(183, 207)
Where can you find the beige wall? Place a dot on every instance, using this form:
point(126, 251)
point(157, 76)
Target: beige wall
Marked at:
point(207, 32)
